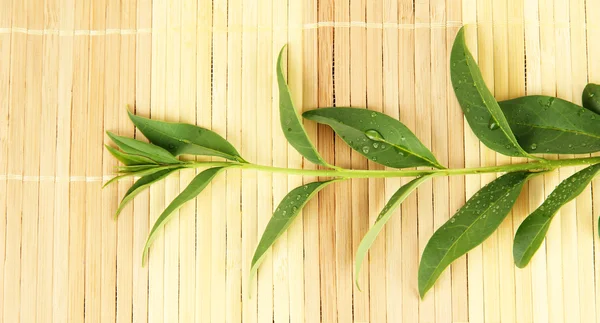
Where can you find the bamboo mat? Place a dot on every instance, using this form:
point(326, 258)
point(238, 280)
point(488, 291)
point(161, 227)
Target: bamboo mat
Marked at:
point(69, 67)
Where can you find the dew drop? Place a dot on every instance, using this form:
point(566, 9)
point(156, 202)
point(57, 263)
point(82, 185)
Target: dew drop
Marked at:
point(298, 198)
point(305, 188)
point(492, 124)
point(485, 215)
point(374, 135)
point(452, 220)
point(295, 208)
point(400, 153)
point(382, 146)
point(533, 146)
point(289, 129)
point(284, 212)
point(373, 114)
point(452, 238)
point(374, 158)
point(570, 145)
point(365, 149)
point(375, 145)
point(403, 138)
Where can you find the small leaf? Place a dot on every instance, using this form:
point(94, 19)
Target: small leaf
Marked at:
point(291, 124)
point(531, 232)
point(190, 192)
point(137, 147)
point(135, 168)
point(282, 218)
point(141, 172)
point(129, 159)
point(470, 226)
point(395, 201)
point(591, 97)
point(478, 104)
point(376, 136)
point(544, 124)
point(183, 138)
point(140, 185)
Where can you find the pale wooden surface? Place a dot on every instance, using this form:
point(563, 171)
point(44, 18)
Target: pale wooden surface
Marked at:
point(69, 67)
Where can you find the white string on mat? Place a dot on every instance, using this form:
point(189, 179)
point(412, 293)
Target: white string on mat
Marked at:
point(308, 26)
point(57, 179)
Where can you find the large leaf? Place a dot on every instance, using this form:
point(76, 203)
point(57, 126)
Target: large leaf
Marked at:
point(477, 102)
point(282, 218)
point(291, 124)
point(190, 192)
point(183, 138)
point(136, 147)
point(385, 214)
point(140, 185)
point(591, 97)
point(470, 226)
point(129, 159)
point(544, 124)
point(532, 231)
point(376, 136)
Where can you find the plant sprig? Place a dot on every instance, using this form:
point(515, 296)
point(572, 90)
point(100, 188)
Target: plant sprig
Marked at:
point(519, 127)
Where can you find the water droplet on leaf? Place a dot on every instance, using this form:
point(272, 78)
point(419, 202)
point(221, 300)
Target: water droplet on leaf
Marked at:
point(533, 146)
point(492, 125)
point(375, 145)
point(374, 135)
point(365, 149)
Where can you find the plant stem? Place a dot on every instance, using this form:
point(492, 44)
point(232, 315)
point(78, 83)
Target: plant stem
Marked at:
point(545, 165)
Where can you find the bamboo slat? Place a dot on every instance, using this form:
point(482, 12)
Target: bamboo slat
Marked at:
point(68, 69)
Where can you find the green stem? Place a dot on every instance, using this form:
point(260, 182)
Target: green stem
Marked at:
point(545, 165)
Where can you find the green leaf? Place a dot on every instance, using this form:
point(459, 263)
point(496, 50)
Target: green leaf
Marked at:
point(395, 201)
point(591, 97)
point(532, 231)
point(478, 104)
point(291, 124)
point(282, 218)
point(190, 192)
point(183, 138)
point(142, 172)
point(137, 147)
point(140, 185)
point(544, 124)
point(376, 136)
point(135, 168)
point(129, 159)
point(470, 226)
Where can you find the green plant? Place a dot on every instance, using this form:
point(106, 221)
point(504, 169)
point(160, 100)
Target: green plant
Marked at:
point(519, 127)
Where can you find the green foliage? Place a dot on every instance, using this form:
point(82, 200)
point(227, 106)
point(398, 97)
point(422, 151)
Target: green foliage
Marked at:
point(470, 226)
point(291, 124)
point(517, 127)
point(282, 218)
point(549, 125)
point(532, 231)
point(376, 136)
point(478, 104)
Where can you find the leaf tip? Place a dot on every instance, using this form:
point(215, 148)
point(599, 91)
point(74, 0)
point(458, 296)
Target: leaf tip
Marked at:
point(357, 285)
